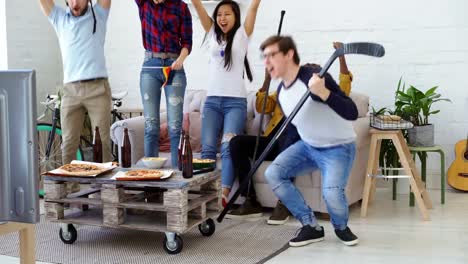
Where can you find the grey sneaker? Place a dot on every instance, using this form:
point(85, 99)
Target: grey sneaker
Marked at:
point(249, 209)
point(280, 215)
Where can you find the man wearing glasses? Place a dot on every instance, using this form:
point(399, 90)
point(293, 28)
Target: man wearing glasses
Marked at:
point(243, 146)
point(327, 141)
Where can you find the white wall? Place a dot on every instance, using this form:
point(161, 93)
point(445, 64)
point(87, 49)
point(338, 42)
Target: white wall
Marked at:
point(3, 41)
point(424, 41)
point(124, 52)
point(32, 44)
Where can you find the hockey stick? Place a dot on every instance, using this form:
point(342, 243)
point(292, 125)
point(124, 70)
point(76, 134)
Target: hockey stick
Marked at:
point(363, 48)
point(262, 114)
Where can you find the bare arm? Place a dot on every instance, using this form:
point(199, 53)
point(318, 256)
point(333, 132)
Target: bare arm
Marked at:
point(47, 6)
point(205, 19)
point(106, 4)
point(251, 17)
point(345, 75)
point(343, 65)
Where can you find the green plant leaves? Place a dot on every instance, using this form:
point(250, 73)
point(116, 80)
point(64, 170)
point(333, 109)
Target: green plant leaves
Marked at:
point(415, 105)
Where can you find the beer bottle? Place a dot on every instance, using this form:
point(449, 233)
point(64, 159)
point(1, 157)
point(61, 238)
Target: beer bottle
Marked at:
point(126, 151)
point(181, 145)
point(187, 158)
point(97, 146)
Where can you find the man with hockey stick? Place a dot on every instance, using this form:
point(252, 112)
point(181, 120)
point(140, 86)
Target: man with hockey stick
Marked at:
point(327, 141)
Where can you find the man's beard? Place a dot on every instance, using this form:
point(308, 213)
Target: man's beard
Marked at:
point(82, 12)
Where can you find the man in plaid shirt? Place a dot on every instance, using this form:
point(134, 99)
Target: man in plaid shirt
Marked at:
point(167, 38)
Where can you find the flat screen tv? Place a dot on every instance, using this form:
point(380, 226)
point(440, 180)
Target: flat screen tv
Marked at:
point(19, 200)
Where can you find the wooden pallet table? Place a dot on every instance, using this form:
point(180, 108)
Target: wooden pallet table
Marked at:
point(173, 206)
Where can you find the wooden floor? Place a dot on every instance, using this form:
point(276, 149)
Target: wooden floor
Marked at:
point(393, 233)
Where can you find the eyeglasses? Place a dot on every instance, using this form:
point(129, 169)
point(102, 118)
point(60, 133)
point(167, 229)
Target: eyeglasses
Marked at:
point(269, 55)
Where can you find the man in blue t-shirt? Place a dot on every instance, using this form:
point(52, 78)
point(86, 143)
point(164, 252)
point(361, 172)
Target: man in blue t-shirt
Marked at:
point(81, 31)
point(327, 141)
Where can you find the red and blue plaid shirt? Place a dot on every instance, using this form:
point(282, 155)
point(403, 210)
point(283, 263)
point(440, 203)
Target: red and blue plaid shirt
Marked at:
point(166, 27)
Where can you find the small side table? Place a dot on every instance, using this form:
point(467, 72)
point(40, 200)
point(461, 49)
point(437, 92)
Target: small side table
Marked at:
point(411, 172)
point(423, 157)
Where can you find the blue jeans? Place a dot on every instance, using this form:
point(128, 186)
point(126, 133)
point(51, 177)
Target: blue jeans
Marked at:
point(151, 81)
point(226, 115)
point(335, 164)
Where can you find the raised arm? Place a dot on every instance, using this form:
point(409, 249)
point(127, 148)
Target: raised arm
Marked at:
point(251, 17)
point(47, 6)
point(343, 65)
point(345, 75)
point(106, 4)
point(205, 19)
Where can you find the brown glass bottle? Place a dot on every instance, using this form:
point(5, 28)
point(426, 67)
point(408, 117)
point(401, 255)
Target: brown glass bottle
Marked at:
point(126, 151)
point(97, 146)
point(181, 146)
point(187, 158)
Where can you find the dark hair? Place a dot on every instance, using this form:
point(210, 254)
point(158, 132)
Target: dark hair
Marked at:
point(313, 65)
point(285, 44)
point(230, 35)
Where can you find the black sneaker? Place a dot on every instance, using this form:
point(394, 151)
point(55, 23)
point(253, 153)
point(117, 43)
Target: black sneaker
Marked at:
point(280, 215)
point(347, 237)
point(307, 235)
point(249, 209)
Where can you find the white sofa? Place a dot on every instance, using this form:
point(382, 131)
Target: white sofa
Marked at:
point(310, 185)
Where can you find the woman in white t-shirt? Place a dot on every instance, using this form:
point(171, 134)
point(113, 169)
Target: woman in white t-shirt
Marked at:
point(225, 109)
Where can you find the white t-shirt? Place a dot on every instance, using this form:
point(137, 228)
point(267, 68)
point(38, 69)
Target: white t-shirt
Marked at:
point(223, 82)
point(317, 123)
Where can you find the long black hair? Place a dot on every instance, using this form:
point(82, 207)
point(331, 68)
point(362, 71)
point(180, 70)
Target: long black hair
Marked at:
point(230, 35)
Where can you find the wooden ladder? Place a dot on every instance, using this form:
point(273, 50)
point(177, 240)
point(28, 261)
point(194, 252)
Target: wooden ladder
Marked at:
point(417, 186)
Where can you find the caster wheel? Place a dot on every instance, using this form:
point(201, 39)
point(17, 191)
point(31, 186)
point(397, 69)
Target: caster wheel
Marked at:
point(207, 228)
point(70, 237)
point(174, 247)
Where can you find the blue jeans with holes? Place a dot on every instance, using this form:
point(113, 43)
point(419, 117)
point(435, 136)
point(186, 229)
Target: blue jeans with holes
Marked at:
point(151, 81)
point(223, 117)
point(335, 164)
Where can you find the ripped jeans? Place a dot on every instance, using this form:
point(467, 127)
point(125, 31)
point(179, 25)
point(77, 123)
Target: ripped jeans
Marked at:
point(335, 165)
point(151, 81)
point(222, 117)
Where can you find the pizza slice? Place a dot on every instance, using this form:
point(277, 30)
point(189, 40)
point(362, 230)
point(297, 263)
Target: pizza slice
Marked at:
point(141, 174)
point(81, 169)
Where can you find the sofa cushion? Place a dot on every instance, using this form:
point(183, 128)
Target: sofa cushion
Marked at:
point(164, 141)
point(195, 131)
point(194, 100)
point(361, 128)
point(362, 103)
point(191, 120)
point(136, 131)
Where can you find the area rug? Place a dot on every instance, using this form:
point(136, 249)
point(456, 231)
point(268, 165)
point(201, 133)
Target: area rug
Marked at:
point(234, 241)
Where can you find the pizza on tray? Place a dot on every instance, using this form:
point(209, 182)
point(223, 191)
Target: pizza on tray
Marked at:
point(80, 169)
point(141, 174)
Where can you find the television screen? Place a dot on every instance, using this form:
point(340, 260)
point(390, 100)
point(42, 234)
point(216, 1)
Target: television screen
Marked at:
point(19, 200)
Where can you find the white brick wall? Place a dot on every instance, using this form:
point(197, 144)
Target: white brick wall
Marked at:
point(424, 41)
point(3, 42)
point(32, 44)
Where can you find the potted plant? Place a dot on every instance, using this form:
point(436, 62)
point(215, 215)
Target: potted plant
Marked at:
point(416, 106)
